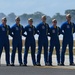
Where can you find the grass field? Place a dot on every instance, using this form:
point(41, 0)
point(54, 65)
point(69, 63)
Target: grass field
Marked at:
point(42, 48)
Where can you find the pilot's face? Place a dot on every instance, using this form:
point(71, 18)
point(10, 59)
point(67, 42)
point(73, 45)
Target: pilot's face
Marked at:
point(30, 22)
point(54, 23)
point(4, 21)
point(68, 18)
point(17, 21)
point(44, 19)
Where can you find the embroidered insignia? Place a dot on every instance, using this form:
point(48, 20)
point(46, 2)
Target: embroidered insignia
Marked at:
point(53, 31)
point(43, 27)
point(30, 29)
point(68, 26)
point(3, 29)
point(17, 28)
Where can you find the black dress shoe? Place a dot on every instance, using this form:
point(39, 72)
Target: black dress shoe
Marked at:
point(62, 64)
point(58, 64)
point(21, 64)
point(38, 64)
point(7, 64)
point(34, 65)
point(46, 64)
point(72, 64)
point(12, 64)
point(50, 64)
point(24, 65)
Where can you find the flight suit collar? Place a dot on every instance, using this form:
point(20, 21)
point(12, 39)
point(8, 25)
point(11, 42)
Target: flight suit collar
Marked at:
point(68, 23)
point(3, 25)
point(55, 27)
point(17, 25)
point(43, 23)
point(30, 26)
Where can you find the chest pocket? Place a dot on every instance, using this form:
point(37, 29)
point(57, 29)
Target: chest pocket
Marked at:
point(45, 28)
point(56, 31)
point(19, 29)
point(29, 29)
point(32, 30)
point(68, 26)
point(3, 29)
point(6, 29)
point(71, 27)
point(53, 31)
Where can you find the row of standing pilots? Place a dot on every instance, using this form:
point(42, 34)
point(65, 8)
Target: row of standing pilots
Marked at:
point(43, 30)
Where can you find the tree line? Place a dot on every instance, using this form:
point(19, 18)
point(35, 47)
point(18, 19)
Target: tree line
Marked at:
point(37, 17)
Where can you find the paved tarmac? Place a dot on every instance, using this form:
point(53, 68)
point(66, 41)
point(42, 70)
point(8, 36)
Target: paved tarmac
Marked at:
point(35, 70)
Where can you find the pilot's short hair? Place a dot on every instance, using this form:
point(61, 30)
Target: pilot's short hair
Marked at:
point(4, 18)
point(68, 15)
point(44, 16)
point(54, 20)
point(30, 19)
point(17, 18)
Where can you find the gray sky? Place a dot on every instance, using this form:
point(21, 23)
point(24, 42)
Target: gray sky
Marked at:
point(48, 7)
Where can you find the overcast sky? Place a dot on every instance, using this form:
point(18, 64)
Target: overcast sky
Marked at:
point(48, 7)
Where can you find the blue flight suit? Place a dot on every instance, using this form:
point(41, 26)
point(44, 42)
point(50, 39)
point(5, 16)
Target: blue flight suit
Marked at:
point(4, 41)
point(17, 32)
point(30, 42)
point(67, 31)
point(42, 30)
point(54, 42)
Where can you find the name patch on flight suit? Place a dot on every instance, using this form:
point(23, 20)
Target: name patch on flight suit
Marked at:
point(53, 31)
point(30, 29)
point(68, 26)
point(3, 29)
point(17, 28)
point(43, 27)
